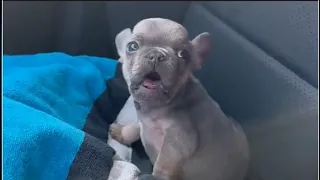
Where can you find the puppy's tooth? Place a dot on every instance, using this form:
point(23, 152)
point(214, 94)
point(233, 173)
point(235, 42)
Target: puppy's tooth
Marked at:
point(165, 91)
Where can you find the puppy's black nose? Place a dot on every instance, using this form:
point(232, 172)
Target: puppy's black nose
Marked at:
point(156, 56)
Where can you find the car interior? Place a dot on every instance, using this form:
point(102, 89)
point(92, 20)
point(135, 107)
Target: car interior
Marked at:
point(263, 68)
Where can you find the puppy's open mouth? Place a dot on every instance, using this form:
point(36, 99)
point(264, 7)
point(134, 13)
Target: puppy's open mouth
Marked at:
point(151, 80)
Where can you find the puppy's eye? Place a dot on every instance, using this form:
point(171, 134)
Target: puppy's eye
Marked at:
point(132, 46)
point(184, 54)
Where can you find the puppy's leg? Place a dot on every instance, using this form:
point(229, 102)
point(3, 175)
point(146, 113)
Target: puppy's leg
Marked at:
point(179, 144)
point(125, 134)
point(167, 164)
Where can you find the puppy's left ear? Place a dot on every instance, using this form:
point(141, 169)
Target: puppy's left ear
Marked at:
point(121, 41)
point(201, 45)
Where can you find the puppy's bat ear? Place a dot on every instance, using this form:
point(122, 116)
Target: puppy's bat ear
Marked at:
point(201, 45)
point(121, 40)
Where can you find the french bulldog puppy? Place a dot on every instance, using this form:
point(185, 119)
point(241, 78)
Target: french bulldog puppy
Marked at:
point(185, 133)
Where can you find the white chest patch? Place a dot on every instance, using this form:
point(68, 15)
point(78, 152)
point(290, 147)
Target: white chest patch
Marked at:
point(152, 137)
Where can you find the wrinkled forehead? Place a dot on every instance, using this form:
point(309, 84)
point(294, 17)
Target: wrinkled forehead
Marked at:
point(161, 31)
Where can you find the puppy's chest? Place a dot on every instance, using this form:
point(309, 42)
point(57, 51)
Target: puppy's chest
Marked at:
point(153, 130)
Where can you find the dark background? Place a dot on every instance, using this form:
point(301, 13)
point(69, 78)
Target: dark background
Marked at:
point(263, 69)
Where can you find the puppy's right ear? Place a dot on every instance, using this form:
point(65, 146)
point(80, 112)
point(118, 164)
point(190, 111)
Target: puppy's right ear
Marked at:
point(121, 41)
point(201, 45)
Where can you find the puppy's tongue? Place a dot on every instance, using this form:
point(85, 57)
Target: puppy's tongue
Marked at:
point(149, 84)
point(151, 80)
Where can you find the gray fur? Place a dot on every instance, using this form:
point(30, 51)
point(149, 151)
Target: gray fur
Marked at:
point(184, 132)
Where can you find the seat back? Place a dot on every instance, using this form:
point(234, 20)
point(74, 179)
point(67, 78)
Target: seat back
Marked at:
point(276, 107)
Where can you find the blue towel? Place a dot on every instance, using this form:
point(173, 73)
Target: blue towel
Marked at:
point(47, 100)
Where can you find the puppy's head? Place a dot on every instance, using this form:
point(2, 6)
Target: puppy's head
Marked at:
point(158, 58)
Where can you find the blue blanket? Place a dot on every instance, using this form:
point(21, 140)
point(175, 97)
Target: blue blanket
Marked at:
point(47, 101)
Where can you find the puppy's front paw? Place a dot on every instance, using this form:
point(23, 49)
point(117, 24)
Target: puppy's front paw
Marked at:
point(115, 132)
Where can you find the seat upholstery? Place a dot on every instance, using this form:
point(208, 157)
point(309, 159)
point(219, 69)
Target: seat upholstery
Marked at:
point(287, 31)
point(277, 108)
point(262, 69)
